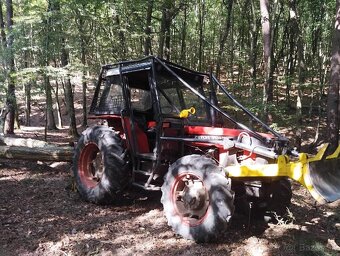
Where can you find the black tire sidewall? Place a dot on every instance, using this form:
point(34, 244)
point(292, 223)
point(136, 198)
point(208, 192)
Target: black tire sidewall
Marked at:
point(114, 176)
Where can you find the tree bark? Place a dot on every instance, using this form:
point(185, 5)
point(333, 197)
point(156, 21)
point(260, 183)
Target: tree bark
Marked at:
point(60, 121)
point(29, 149)
point(147, 30)
point(333, 105)
point(2, 28)
point(21, 142)
point(253, 48)
point(68, 86)
point(224, 36)
point(167, 36)
point(266, 33)
point(122, 38)
point(162, 34)
point(50, 120)
point(183, 37)
point(81, 25)
point(169, 12)
point(41, 153)
point(277, 11)
point(28, 97)
point(3, 111)
point(51, 125)
point(11, 98)
point(201, 17)
point(69, 94)
point(297, 43)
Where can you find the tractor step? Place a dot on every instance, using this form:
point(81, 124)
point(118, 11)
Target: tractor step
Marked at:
point(149, 187)
point(147, 156)
point(142, 172)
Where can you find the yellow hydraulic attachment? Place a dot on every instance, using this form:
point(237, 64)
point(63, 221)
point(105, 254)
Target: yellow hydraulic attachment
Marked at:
point(319, 174)
point(186, 112)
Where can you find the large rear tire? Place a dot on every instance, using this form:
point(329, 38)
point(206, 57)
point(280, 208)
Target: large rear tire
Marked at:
point(197, 199)
point(100, 170)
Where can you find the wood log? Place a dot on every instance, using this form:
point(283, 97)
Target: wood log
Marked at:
point(30, 149)
point(21, 142)
point(49, 153)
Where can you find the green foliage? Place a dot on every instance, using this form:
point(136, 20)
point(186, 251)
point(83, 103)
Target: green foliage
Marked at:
point(97, 32)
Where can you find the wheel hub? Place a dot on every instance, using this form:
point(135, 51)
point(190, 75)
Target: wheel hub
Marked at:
point(191, 198)
point(193, 195)
point(97, 167)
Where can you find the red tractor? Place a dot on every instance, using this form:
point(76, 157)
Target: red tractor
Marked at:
point(165, 127)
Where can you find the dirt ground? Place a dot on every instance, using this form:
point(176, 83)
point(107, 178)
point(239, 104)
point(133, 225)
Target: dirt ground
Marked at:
point(42, 214)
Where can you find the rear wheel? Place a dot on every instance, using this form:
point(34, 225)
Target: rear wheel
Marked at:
point(99, 167)
point(197, 199)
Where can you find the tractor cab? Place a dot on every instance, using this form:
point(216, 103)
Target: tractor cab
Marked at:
point(164, 111)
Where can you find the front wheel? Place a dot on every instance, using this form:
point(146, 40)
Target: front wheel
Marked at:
point(197, 199)
point(99, 167)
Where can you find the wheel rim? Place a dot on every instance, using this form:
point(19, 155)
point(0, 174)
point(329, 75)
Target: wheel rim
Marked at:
point(190, 199)
point(91, 166)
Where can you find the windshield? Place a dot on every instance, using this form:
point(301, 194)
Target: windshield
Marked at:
point(110, 99)
point(174, 97)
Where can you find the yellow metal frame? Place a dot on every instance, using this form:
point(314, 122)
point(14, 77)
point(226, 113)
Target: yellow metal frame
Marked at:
point(297, 170)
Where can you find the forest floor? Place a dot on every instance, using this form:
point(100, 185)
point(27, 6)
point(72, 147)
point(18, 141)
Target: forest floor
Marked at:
point(42, 214)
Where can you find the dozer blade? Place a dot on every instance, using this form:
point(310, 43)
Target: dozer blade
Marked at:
point(319, 175)
point(324, 176)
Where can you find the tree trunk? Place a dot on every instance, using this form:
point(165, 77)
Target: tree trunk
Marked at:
point(273, 42)
point(28, 87)
point(290, 60)
point(201, 36)
point(69, 94)
point(301, 70)
point(21, 142)
point(84, 87)
point(70, 106)
point(122, 38)
point(183, 37)
point(83, 62)
point(253, 49)
point(49, 105)
point(147, 30)
point(2, 28)
point(60, 121)
point(11, 99)
point(48, 22)
point(64, 58)
point(168, 22)
point(266, 33)
point(224, 37)
point(162, 35)
point(169, 12)
point(333, 105)
point(50, 153)
point(164, 38)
